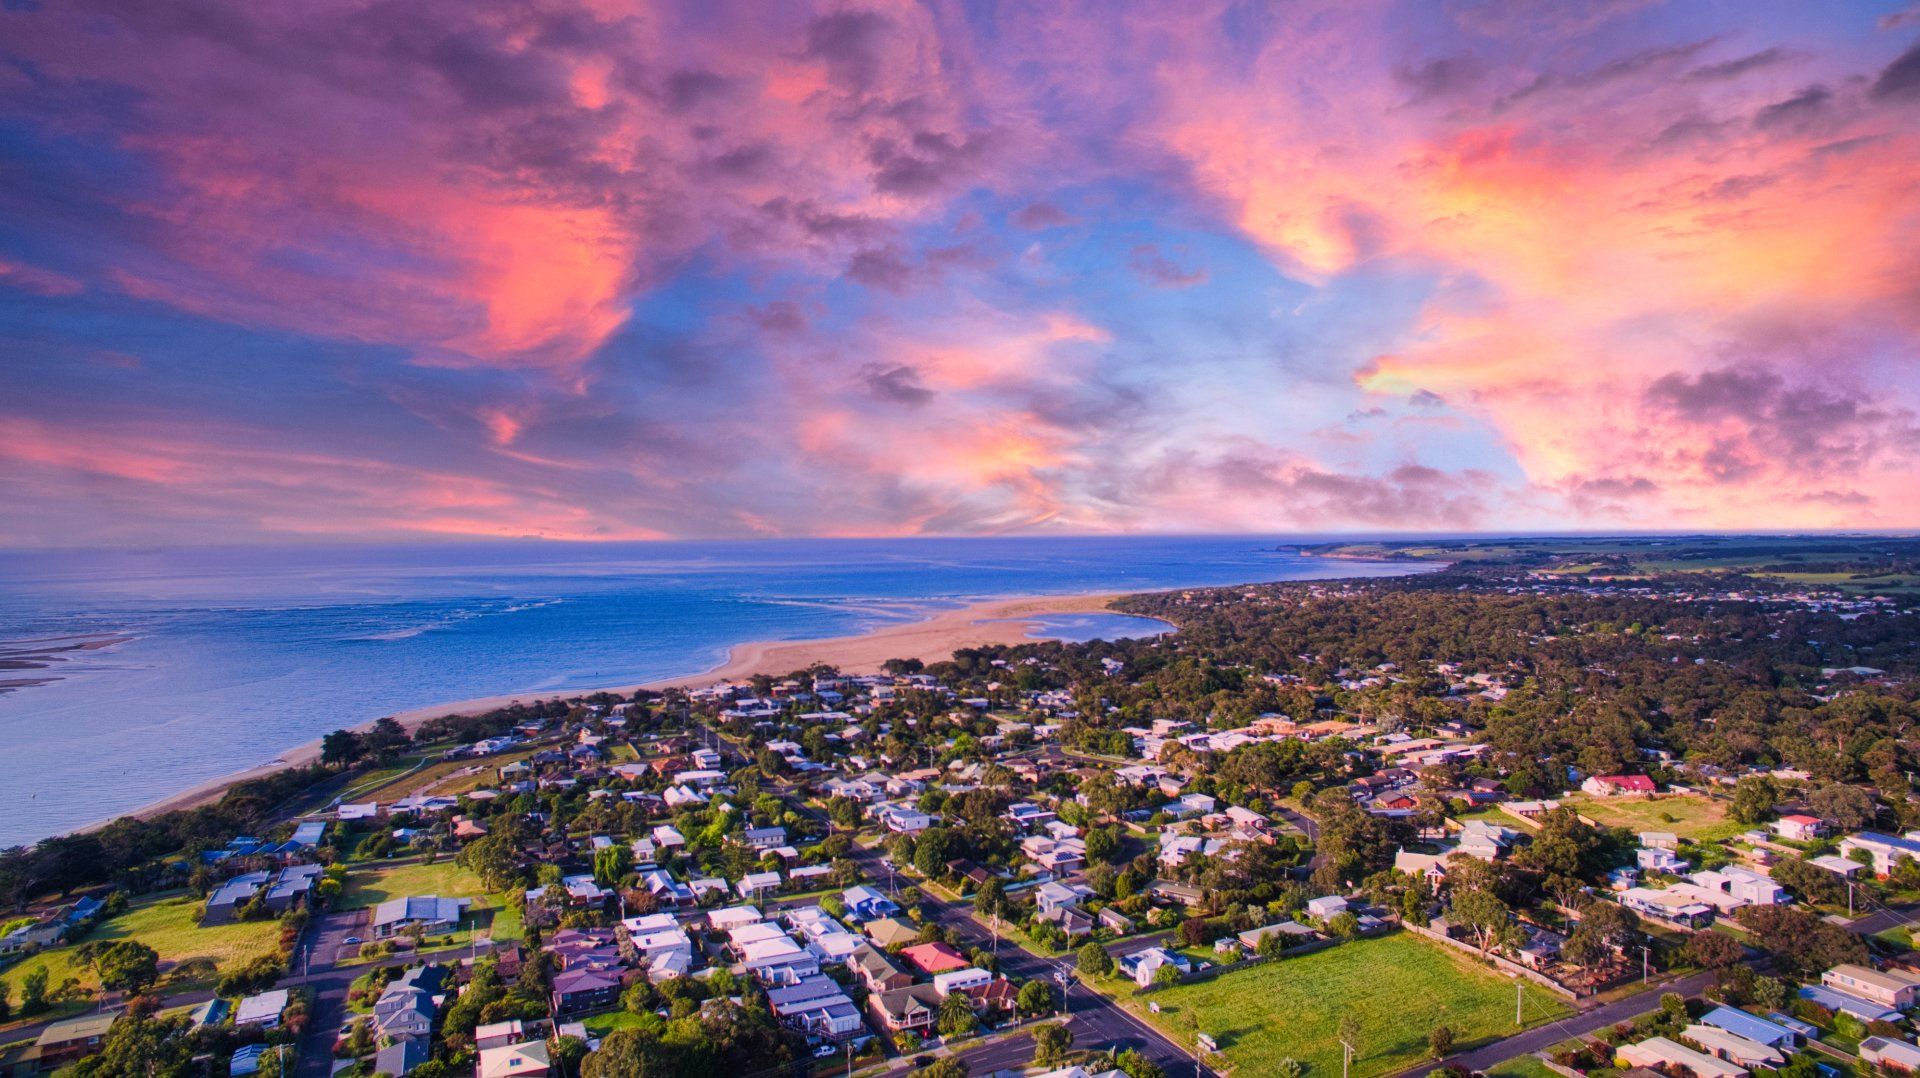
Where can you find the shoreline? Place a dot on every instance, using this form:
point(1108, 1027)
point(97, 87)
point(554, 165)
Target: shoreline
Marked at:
point(1002, 621)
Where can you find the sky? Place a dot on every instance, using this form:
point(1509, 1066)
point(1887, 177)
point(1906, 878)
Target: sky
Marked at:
point(598, 269)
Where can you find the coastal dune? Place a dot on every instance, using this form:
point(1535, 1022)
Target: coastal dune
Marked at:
point(994, 622)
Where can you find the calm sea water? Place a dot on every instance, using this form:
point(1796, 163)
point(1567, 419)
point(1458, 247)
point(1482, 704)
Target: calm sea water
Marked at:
point(235, 655)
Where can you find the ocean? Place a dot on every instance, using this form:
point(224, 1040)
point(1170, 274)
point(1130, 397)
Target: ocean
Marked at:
point(136, 674)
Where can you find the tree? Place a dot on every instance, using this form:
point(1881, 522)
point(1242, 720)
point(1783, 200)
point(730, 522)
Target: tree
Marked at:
point(948, 1067)
point(1481, 913)
point(129, 965)
point(956, 1015)
point(1051, 1042)
point(1343, 925)
point(1289, 1068)
point(1102, 844)
point(1036, 997)
point(33, 991)
point(931, 852)
point(992, 899)
point(1168, 974)
point(629, 1053)
point(143, 1045)
point(1093, 960)
point(1440, 1041)
point(1714, 950)
point(1848, 808)
point(610, 864)
point(6, 1005)
point(1753, 800)
point(568, 1052)
point(1136, 1065)
point(339, 748)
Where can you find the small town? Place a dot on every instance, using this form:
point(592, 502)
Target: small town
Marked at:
point(1058, 860)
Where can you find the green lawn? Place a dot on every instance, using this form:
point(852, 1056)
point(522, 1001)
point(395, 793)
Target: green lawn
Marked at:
point(1397, 987)
point(373, 885)
point(171, 926)
point(1527, 1066)
point(1701, 819)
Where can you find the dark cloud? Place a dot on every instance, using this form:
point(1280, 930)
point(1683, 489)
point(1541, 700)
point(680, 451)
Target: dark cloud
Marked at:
point(926, 163)
point(1440, 78)
point(1906, 16)
point(1900, 81)
point(1157, 269)
point(899, 385)
point(1733, 69)
point(1647, 63)
point(685, 89)
point(1687, 131)
point(744, 162)
point(781, 316)
point(1039, 216)
point(1790, 113)
point(1761, 419)
point(852, 44)
point(1426, 398)
point(1554, 19)
point(889, 268)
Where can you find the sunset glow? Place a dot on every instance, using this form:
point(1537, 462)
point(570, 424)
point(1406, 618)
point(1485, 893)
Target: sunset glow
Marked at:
point(597, 269)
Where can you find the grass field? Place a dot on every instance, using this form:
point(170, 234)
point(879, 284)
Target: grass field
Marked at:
point(169, 925)
point(370, 886)
point(1701, 819)
point(1527, 1066)
point(1397, 987)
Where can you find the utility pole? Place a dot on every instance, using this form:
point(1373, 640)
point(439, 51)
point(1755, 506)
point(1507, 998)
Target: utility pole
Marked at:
point(1346, 1057)
point(1518, 995)
point(1849, 898)
point(1643, 963)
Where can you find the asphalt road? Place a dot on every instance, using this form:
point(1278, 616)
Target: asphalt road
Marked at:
point(315, 967)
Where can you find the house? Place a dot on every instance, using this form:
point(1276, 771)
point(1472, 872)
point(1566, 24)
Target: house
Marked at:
point(407, 1007)
point(816, 1005)
point(247, 1059)
point(1732, 1047)
point(876, 970)
point(863, 903)
point(1673, 906)
point(934, 958)
point(912, 1009)
point(1888, 988)
point(765, 838)
point(1659, 860)
point(1326, 906)
point(1799, 828)
point(1672, 1056)
point(1294, 932)
point(224, 904)
point(528, 1059)
point(1619, 786)
point(1054, 895)
point(755, 884)
point(430, 914)
point(1846, 1003)
point(1752, 1027)
point(1183, 894)
point(1886, 850)
point(960, 980)
point(583, 991)
point(1890, 1054)
point(402, 1056)
point(888, 933)
point(262, 1010)
point(1072, 920)
point(212, 1013)
point(1113, 920)
point(499, 1034)
point(1142, 966)
point(77, 1038)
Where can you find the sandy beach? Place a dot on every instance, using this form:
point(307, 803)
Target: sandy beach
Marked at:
point(998, 621)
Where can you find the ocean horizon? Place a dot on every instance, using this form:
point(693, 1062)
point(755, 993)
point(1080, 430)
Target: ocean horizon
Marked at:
point(137, 674)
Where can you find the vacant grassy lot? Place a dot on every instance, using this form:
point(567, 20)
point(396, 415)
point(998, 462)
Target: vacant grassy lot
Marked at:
point(1397, 987)
point(169, 925)
point(370, 886)
point(1701, 819)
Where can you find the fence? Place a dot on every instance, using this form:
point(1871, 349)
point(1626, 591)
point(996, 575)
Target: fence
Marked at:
point(1497, 962)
